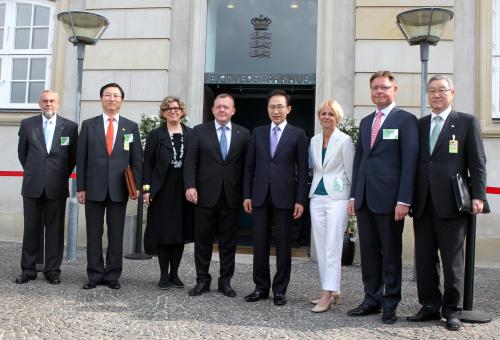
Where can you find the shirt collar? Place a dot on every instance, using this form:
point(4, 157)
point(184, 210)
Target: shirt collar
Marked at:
point(281, 126)
point(218, 126)
point(52, 119)
point(386, 110)
point(443, 114)
point(105, 117)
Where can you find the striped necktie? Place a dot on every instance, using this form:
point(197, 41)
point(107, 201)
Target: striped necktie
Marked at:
point(376, 127)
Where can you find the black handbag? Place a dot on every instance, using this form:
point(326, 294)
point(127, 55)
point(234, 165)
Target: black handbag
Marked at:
point(461, 190)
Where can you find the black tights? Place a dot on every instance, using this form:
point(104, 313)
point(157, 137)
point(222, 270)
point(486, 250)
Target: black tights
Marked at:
point(169, 255)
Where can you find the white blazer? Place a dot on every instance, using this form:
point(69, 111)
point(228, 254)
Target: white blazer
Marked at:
point(336, 169)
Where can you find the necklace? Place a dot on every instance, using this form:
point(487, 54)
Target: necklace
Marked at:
point(177, 161)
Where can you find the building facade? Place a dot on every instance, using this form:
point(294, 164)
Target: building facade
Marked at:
point(315, 49)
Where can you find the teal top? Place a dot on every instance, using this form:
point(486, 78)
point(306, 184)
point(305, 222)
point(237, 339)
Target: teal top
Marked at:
point(320, 189)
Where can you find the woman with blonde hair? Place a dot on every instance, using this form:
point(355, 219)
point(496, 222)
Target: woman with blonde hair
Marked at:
point(332, 155)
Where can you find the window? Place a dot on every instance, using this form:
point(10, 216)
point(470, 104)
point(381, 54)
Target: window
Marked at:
point(26, 30)
point(495, 60)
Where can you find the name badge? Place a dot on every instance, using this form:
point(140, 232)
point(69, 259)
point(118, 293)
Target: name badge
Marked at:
point(64, 141)
point(453, 146)
point(338, 184)
point(390, 134)
point(128, 138)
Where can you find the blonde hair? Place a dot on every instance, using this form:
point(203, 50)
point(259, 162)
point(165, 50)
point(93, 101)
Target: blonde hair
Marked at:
point(170, 99)
point(336, 108)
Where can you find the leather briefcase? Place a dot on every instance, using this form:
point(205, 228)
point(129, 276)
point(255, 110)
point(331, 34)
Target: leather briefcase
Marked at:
point(130, 181)
point(461, 190)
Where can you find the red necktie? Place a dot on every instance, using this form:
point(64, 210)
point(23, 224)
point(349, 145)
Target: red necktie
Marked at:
point(110, 132)
point(376, 127)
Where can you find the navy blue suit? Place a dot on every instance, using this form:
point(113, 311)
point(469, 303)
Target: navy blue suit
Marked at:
point(274, 184)
point(383, 175)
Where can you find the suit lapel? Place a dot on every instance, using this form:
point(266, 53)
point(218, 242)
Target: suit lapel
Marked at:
point(39, 132)
point(368, 132)
point(283, 140)
point(99, 132)
point(56, 139)
point(331, 150)
point(214, 139)
point(119, 141)
point(426, 134)
point(390, 117)
point(164, 137)
point(235, 139)
point(446, 130)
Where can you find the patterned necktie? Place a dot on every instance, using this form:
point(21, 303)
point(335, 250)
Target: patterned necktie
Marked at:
point(110, 132)
point(274, 139)
point(223, 142)
point(435, 133)
point(46, 134)
point(376, 127)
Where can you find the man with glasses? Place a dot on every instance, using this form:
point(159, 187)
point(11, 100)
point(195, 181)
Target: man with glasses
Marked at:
point(47, 152)
point(109, 143)
point(450, 143)
point(382, 187)
point(213, 175)
point(275, 187)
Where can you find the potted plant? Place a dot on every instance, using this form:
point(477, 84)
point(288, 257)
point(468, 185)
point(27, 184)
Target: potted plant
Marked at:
point(350, 127)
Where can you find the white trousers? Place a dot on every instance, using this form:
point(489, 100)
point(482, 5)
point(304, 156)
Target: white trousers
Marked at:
point(328, 220)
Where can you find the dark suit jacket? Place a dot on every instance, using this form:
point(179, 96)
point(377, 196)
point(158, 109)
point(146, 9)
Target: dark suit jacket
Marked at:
point(285, 174)
point(98, 173)
point(206, 171)
point(385, 173)
point(158, 154)
point(435, 170)
point(42, 170)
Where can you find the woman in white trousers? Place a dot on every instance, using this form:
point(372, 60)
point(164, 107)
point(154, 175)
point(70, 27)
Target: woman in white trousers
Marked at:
point(332, 155)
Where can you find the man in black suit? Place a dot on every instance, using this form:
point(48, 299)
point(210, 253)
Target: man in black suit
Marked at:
point(108, 144)
point(213, 174)
point(47, 152)
point(382, 187)
point(274, 191)
point(450, 143)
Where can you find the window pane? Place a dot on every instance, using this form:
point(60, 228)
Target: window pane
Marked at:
point(18, 92)
point(22, 38)
point(19, 69)
point(0, 68)
point(23, 15)
point(37, 69)
point(40, 38)
point(35, 88)
point(41, 16)
point(1, 38)
point(2, 15)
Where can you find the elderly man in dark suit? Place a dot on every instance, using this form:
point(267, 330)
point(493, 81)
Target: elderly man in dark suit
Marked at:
point(275, 188)
point(213, 176)
point(47, 152)
point(381, 193)
point(450, 143)
point(108, 144)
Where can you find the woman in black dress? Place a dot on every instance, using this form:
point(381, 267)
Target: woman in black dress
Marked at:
point(170, 216)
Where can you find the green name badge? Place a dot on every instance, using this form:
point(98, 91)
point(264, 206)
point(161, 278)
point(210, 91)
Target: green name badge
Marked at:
point(390, 134)
point(128, 138)
point(338, 184)
point(453, 146)
point(64, 141)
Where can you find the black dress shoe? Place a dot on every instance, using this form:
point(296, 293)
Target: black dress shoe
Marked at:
point(114, 284)
point(24, 278)
point(90, 285)
point(53, 279)
point(279, 299)
point(453, 324)
point(163, 284)
point(423, 315)
point(227, 290)
point(256, 296)
point(363, 310)
point(175, 281)
point(389, 316)
point(199, 289)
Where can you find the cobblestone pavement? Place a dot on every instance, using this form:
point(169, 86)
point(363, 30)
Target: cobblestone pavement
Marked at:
point(140, 310)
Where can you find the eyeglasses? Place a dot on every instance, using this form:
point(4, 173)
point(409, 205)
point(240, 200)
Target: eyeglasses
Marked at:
point(438, 91)
point(111, 95)
point(173, 109)
point(276, 107)
point(382, 87)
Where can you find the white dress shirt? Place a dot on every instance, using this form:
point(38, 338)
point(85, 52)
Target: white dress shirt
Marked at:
point(50, 125)
point(105, 118)
point(280, 132)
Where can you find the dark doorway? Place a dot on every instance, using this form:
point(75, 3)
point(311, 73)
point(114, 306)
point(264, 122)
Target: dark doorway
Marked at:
point(251, 102)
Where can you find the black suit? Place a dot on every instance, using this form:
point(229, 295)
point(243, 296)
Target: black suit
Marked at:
point(219, 186)
point(437, 222)
point(45, 189)
point(102, 178)
point(275, 184)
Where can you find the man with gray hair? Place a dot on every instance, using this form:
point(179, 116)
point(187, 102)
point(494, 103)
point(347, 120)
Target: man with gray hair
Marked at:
point(47, 152)
point(450, 144)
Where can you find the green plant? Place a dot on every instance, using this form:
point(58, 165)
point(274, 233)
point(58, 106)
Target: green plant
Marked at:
point(350, 126)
